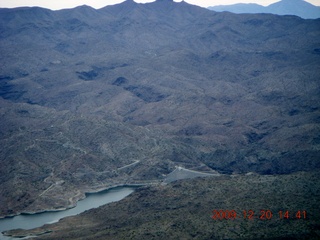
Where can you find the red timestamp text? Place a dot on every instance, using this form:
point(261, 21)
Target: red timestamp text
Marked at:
point(263, 214)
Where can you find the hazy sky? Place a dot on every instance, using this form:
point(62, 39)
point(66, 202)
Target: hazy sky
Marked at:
point(59, 4)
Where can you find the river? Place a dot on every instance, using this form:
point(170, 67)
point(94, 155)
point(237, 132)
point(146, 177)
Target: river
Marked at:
point(92, 200)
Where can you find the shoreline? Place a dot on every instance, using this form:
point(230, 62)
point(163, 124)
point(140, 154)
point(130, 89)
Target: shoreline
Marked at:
point(25, 233)
point(74, 203)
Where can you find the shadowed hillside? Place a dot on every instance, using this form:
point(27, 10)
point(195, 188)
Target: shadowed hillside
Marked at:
point(85, 93)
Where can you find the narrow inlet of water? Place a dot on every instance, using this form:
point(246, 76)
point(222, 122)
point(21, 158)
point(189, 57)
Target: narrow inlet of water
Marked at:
point(92, 200)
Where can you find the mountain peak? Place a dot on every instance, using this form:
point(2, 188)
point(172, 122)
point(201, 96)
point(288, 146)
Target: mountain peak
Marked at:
point(120, 8)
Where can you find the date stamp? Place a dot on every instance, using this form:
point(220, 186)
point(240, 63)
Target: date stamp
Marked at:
point(263, 214)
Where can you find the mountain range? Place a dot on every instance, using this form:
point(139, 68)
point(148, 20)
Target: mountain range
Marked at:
point(91, 99)
point(299, 8)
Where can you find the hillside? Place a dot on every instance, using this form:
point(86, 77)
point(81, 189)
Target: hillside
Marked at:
point(261, 209)
point(86, 93)
point(299, 8)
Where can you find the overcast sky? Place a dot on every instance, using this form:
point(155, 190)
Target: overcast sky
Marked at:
point(59, 4)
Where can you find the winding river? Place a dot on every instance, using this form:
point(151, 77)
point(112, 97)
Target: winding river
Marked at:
point(92, 200)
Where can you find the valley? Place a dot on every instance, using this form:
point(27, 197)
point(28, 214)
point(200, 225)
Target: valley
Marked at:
point(129, 93)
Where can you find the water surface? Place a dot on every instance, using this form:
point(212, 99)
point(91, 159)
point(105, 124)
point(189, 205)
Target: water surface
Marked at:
point(93, 200)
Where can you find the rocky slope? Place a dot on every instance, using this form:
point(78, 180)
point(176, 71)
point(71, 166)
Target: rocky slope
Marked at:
point(186, 210)
point(85, 92)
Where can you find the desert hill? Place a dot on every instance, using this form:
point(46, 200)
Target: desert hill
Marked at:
point(85, 92)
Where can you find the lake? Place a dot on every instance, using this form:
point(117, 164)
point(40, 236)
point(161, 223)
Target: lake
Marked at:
point(92, 200)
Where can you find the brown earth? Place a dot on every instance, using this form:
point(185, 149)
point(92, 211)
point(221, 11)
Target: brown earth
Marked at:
point(85, 92)
point(184, 210)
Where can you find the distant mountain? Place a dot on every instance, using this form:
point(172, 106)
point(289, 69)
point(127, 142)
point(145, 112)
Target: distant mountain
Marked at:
point(285, 7)
point(239, 8)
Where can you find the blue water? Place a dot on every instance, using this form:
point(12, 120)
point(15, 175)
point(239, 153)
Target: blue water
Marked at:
point(93, 200)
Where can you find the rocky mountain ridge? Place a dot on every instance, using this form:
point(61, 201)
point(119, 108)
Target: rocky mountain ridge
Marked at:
point(85, 92)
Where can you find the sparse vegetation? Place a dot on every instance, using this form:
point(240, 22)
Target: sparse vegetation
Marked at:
point(184, 209)
point(85, 92)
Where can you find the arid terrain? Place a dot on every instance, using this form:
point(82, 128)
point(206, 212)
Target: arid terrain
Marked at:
point(266, 207)
point(92, 98)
